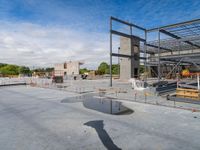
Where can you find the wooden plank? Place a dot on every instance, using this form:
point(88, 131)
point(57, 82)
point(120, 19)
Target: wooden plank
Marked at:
point(188, 93)
point(183, 89)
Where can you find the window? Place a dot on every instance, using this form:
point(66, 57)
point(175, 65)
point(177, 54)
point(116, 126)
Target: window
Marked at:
point(65, 65)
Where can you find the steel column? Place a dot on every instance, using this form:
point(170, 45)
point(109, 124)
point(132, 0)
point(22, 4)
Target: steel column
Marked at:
point(118, 62)
point(158, 54)
point(110, 52)
point(198, 84)
point(145, 54)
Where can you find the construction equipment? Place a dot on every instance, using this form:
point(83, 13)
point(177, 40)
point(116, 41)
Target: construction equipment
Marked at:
point(57, 79)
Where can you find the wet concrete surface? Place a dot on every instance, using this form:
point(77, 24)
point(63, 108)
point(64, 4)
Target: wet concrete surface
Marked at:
point(35, 119)
point(100, 103)
point(123, 91)
point(98, 125)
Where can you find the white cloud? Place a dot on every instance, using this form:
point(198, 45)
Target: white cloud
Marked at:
point(36, 45)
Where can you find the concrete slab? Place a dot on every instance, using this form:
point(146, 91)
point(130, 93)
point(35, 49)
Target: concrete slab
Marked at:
point(34, 119)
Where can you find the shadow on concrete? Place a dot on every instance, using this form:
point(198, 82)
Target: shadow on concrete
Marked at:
point(103, 135)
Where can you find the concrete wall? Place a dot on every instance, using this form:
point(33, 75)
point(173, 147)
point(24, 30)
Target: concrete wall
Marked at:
point(59, 69)
point(67, 68)
point(128, 66)
point(73, 68)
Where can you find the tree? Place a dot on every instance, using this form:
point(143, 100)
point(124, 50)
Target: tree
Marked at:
point(83, 70)
point(142, 69)
point(49, 69)
point(9, 70)
point(2, 65)
point(103, 68)
point(24, 70)
point(115, 69)
point(39, 70)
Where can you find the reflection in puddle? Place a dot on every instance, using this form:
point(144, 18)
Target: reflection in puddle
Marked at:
point(102, 104)
point(72, 99)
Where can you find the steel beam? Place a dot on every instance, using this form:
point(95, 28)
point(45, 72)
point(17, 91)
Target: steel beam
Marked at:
point(182, 55)
point(126, 35)
point(120, 33)
point(174, 25)
point(173, 60)
point(154, 46)
point(159, 74)
point(110, 52)
point(177, 37)
point(145, 54)
point(127, 23)
point(148, 52)
point(126, 56)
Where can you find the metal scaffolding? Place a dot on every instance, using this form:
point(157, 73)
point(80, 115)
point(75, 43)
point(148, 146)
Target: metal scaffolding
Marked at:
point(174, 42)
point(130, 35)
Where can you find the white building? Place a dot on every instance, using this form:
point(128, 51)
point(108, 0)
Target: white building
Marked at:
point(67, 68)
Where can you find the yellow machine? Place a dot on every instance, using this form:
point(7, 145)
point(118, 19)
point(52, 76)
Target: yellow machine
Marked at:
point(185, 73)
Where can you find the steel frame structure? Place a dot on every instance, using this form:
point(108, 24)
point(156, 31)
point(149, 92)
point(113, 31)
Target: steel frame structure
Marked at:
point(180, 40)
point(131, 26)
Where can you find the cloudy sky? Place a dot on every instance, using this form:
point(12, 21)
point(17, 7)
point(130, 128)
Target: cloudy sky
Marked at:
point(44, 32)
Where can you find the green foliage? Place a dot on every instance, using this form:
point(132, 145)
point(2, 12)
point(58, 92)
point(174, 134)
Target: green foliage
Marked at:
point(43, 70)
point(24, 70)
point(142, 69)
point(115, 69)
point(49, 69)
point(2, 65)
point(83, 70)
point(9, 69)
point(39, 70)
point(103, 68)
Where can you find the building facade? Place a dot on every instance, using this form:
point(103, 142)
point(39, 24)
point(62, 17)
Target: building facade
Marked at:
point(67, 68)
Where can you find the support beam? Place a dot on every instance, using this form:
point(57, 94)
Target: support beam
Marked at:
point(127, 23)
point(126, 56)
point(154, 46)
point(173, 68)
point(182, 55)
point(159, 74)
point(126, 35)
point(177, 37)
point(145, 55)
point(110, 53)
point(198, 83)
point(120, 33)
point(173, 60)
point(174, 25)
point(148, 52)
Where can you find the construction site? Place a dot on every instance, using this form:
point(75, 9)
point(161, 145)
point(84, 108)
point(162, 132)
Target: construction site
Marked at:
point(170, 55)
point(156, 109)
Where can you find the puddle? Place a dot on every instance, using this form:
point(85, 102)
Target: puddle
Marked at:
point(101, 104)
point(62, 86)
point(72, 99)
